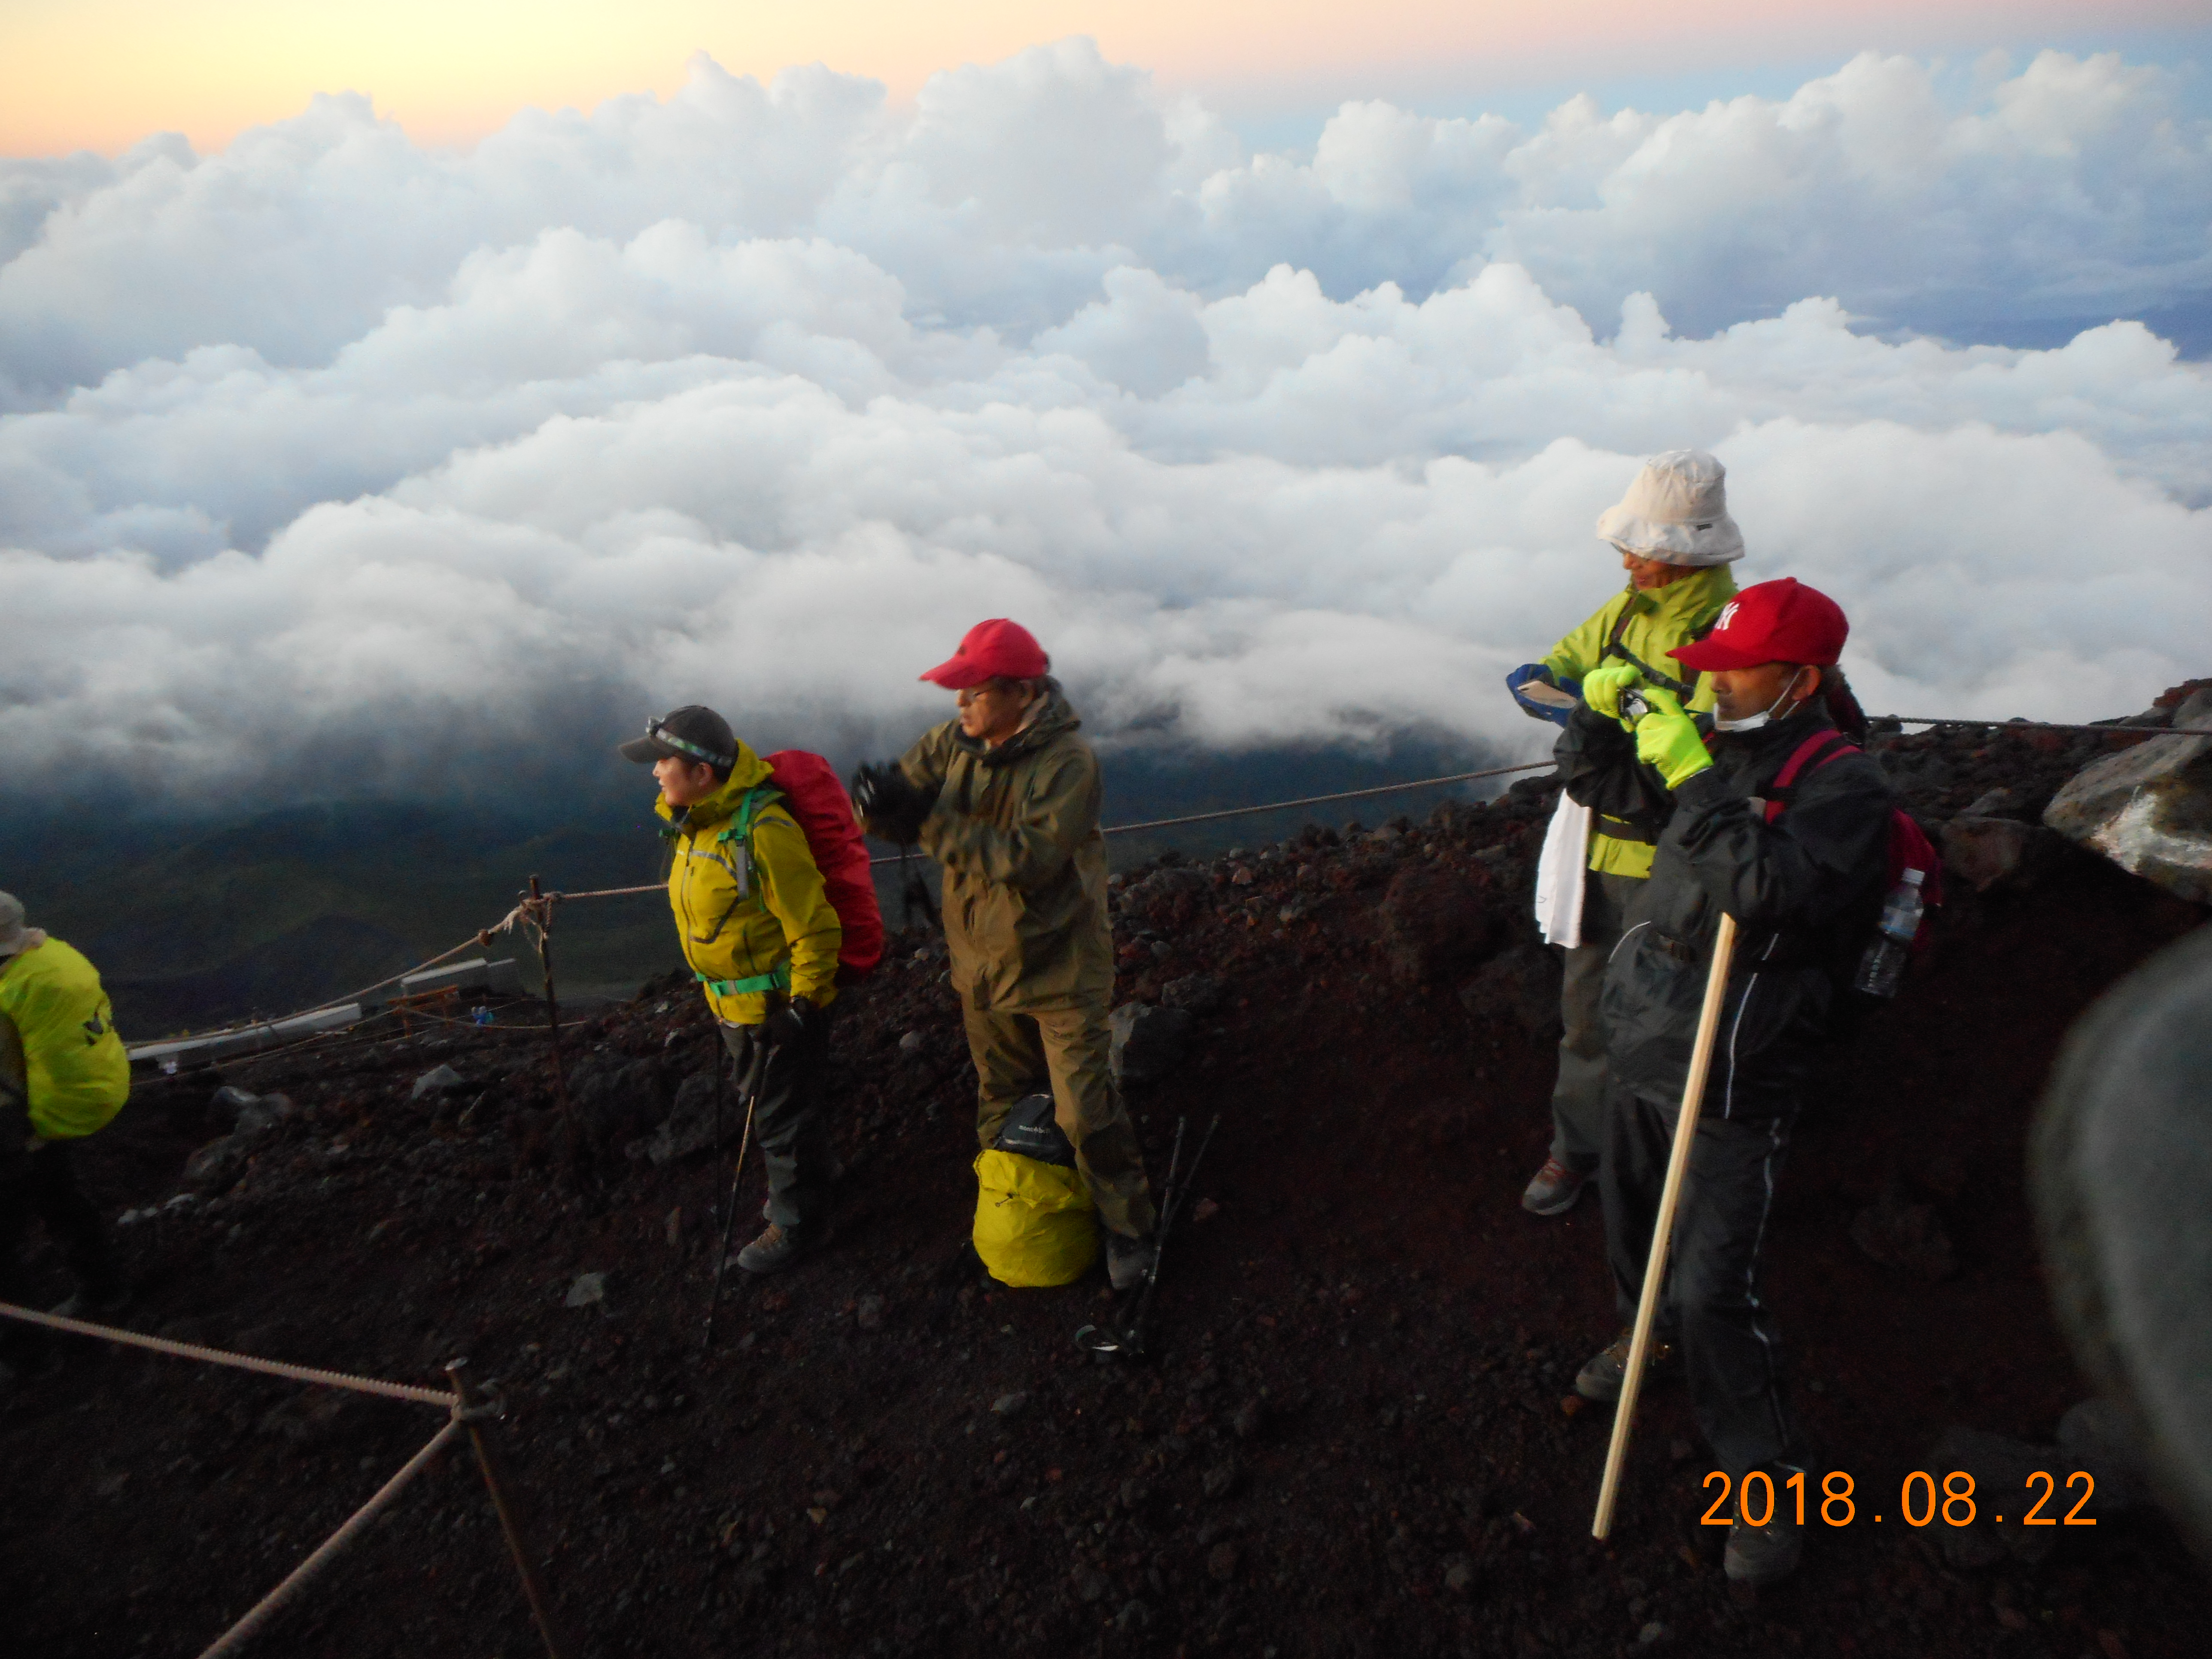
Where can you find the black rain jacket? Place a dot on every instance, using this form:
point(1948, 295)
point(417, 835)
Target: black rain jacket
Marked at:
point(1804, 890)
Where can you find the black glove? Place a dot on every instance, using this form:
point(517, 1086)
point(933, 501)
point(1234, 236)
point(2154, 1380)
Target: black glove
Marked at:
point(889, 806)
point(788, 1026)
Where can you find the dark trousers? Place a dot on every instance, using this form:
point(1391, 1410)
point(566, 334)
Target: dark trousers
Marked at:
point(43, 1183)
point(1065, 1052)
point(1712, 1308)
point(1578, 1095)
point(789, 1125)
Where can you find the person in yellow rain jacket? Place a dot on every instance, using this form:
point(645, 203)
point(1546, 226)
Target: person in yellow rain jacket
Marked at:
point(63, 1075)
point(1676, 541)
point(762, 938)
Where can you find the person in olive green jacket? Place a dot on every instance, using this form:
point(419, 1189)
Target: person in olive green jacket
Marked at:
point(63, 1075)
point(761, 937)
point(1006, 799)
point(1676, 540)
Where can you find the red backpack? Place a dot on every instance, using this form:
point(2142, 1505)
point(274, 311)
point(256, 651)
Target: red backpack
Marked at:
point(1909, 846)
point(812, 794)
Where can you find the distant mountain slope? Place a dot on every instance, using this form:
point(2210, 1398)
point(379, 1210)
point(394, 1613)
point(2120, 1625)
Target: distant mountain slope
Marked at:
point(200, 923)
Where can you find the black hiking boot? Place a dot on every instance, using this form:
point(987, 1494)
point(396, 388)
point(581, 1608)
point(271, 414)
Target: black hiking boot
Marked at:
point(780, 1248)
point(1128, 1260)
point(1600, 1379)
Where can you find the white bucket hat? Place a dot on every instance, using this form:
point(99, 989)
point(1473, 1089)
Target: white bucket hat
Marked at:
point(15, 937)
point(1675, 511)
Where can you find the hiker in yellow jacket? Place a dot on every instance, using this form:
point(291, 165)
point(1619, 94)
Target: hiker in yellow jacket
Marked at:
point(1675, 540)
point(63, 1074)
point(761, 936)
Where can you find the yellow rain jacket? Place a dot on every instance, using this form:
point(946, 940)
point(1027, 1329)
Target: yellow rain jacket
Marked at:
point(75, 1072)
point(750, 908)
point(1656, 622)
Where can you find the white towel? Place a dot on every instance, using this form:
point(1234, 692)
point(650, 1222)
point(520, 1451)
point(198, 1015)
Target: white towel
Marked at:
point(1560, 873)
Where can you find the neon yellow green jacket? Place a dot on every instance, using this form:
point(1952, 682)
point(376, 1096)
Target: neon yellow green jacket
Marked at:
point(76, 1071)
point(1658, 622)
point(780, 924)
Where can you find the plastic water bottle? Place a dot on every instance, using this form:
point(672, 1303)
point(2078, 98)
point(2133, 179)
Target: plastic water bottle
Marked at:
point(1881, 970)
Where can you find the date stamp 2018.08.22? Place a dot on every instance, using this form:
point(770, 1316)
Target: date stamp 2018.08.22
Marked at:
point(1919, 1504)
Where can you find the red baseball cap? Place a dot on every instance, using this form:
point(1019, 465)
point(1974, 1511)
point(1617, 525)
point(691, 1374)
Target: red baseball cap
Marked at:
point(1780, 621)
point(994, 650)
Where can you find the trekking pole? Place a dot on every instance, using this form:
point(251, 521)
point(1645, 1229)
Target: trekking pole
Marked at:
point(1130, 1341)
point(1662, 1230)
point(755, 1075)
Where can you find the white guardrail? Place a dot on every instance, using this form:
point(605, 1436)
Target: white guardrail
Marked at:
point(501, 978)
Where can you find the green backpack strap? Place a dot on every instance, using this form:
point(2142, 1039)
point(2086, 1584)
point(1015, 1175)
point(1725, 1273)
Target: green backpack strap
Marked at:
point(739, 829)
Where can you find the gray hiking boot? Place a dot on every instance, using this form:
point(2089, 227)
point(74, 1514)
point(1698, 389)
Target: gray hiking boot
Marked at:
point(1765, 1555)
point(1555, 1190)
point(780, 1248)
point(1128, 1260)
point(1600, 1379)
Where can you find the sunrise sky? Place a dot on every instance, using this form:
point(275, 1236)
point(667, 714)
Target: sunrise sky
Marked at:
point(102, 73)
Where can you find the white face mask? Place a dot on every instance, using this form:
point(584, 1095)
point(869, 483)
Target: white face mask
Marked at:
point(1752, 723)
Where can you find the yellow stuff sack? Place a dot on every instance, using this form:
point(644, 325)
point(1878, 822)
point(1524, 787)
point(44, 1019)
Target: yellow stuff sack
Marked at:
point(1034, 1222)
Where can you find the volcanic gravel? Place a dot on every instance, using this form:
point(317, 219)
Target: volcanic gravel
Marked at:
point(1357, 1433)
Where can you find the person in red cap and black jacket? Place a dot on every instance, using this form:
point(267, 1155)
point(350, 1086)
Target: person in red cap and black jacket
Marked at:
point(1803, 886)
point(1006, 798)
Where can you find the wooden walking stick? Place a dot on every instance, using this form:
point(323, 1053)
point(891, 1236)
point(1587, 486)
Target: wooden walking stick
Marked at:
point(1662, 1230)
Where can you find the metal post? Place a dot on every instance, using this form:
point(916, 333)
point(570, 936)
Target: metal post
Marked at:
point(474, 1413)
point(268, 1607)
point(572, 1131)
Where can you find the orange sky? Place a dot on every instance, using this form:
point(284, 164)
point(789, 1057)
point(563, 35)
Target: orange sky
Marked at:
point(102, 73)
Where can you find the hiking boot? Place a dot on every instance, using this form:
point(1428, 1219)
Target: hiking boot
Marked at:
point(1128, 1260)
point(1763, 1555)
point(1555, 1190)
point(1600, 1379)
point(780, 1248)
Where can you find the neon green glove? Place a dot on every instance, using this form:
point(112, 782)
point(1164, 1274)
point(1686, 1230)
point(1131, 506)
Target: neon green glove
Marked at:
point(1668, 739)
point(1602, 686)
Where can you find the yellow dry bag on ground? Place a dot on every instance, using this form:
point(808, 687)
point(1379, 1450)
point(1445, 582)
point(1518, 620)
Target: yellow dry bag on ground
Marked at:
point(1034, 1221)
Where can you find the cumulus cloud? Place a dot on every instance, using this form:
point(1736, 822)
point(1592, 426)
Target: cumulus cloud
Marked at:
point(330, 446)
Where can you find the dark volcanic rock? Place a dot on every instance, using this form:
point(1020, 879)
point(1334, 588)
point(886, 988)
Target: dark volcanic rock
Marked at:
point(702, 1117)
point(1436, 924)
point(1988, 852)
point(1905, 1236)
point(1148, 1041)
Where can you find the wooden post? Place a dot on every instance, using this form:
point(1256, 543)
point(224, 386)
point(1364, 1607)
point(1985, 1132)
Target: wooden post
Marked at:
point(1662, 1230)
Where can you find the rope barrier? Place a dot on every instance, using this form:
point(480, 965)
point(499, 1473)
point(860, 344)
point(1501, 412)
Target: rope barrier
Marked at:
point(531, 911)
point(269, 1605)
point(244, 1362)
point(468, 1410)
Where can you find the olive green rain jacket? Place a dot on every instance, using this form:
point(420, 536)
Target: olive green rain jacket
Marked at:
point(1016, 830)
point(1656, 622)
point(751, 908)
point(75, 1071)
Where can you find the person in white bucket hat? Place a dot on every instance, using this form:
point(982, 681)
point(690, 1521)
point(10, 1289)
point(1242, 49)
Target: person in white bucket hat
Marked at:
point(1676, 541)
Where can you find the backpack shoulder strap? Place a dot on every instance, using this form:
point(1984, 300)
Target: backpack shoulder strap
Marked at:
point(1614, 648)
point(1810, 756)
point(750, 805)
